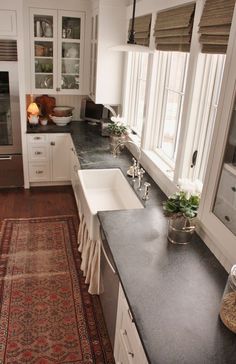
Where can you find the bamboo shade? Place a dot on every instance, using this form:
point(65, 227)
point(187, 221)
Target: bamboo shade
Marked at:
point(173, 28)
point(8, 50)
point(214, 26)
point(142, 25)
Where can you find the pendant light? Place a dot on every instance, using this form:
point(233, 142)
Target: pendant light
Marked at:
point(131, 46)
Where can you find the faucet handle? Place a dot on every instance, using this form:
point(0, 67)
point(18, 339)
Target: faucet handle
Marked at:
point(147, 185)
point(134, 162)
point(141, 172)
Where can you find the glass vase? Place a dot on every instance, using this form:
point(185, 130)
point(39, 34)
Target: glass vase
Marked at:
point(180, 230)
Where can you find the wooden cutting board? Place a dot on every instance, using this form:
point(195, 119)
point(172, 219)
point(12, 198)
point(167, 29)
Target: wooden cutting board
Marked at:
point(46, 104)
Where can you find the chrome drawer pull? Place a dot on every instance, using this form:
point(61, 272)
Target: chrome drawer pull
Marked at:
point(39, 172)
point(6, 158)
point(38, 153)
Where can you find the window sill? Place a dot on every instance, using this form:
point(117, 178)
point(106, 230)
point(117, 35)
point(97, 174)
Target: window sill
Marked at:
point(159, 171)
point(155, 166)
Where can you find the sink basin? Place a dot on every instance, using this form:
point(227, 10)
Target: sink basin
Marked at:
point(104, 190)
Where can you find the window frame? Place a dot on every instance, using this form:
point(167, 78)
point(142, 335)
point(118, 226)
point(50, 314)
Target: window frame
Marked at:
point(163, 64)
point(131, 98)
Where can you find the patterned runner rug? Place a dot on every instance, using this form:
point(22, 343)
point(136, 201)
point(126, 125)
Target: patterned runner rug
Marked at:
point(46, 313)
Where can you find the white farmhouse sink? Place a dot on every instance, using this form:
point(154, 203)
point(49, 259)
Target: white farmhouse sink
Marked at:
point(103, 190)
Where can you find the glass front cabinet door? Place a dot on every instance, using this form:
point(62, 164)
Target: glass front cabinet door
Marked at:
point(56, 51)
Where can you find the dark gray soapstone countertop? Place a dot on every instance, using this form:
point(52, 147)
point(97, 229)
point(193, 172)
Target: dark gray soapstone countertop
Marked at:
point(174, 292)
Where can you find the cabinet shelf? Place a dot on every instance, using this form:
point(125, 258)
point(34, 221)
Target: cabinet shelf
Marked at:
point(70, 40)
point(43, 57)
point(70, 74)
point(43, 39)
point(70, 59)
point(44, 73)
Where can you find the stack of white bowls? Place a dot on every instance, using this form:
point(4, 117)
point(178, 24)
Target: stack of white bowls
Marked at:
point(62, 115)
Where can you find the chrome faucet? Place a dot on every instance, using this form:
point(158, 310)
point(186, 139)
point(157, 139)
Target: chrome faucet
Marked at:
point(134, 170)
point(146, 191)
point(140, 177)
point(122, 143)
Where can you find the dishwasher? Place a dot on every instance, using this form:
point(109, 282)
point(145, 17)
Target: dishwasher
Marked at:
point(109, 298)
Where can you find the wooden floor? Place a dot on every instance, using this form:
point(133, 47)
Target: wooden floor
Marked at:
point(37, 202)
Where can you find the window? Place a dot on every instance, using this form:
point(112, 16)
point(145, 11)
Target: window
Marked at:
point(169, 93)
point(134, 100)
point(204, 104)
point(171, 70)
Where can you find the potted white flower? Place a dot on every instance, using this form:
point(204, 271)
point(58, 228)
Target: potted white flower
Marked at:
point(118, 131)
point(182, 208)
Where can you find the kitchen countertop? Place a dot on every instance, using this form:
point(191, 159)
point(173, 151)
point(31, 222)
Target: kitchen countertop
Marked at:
point(174, 291)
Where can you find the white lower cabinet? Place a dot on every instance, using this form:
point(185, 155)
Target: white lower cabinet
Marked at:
point(49, 157)
point(128, 347)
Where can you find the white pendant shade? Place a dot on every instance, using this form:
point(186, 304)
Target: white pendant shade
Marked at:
point(131, 48)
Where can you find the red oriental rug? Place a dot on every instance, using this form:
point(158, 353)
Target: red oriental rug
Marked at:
point(46, 313)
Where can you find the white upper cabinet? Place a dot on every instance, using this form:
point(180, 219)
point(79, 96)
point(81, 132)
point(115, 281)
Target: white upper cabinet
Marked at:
point(57, 44)
point(108, 28)
point(7, 23)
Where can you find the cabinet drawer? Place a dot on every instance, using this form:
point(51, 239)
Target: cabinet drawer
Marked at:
point(37, 138)
point(128, 346)
point(38, 152)
point(39, 172)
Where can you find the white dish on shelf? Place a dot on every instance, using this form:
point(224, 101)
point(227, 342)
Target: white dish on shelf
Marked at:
point(61, 120)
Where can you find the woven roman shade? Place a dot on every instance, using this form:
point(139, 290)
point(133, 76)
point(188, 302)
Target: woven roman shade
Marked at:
point(142, 25)
point(214, 26)
point(8, 50)
point(173, 28)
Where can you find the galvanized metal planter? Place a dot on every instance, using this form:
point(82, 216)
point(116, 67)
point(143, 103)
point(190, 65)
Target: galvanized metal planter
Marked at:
point(180, 230)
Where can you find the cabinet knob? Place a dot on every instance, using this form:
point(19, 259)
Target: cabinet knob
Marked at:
point(233, 189)
point(227, 218)
point(58, 89)
point(52, 143)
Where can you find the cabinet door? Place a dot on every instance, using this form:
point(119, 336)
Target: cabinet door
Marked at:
point(128, 348)
point(7, 23)
point(60, 157)
point(44, 50)
point(70, 51)
point(121, 353)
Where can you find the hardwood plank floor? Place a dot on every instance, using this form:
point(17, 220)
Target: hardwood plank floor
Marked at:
point(37, 202)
